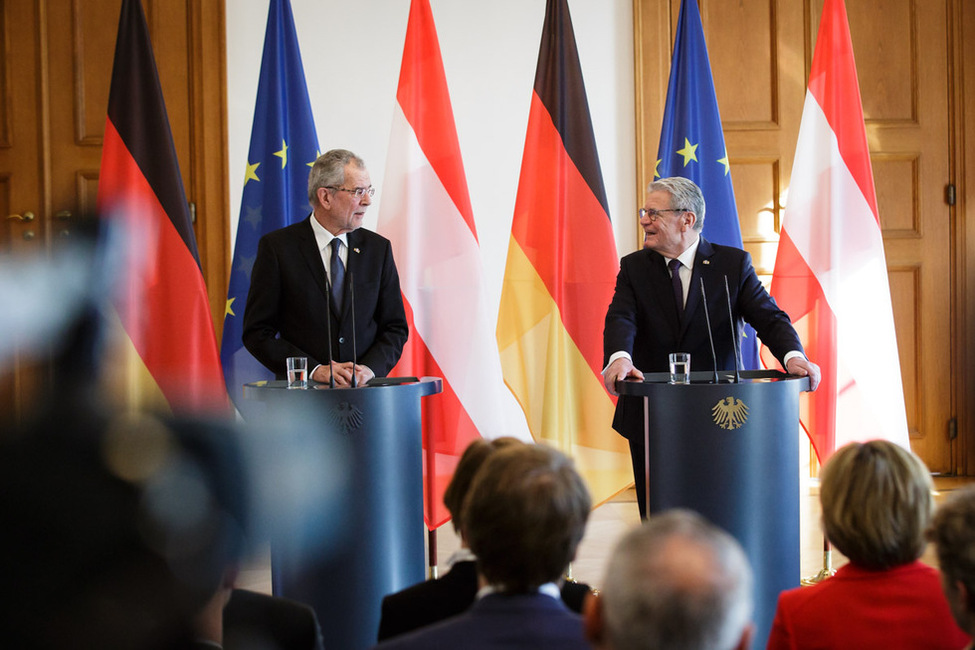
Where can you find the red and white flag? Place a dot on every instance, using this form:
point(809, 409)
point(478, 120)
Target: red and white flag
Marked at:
point(426, 213)
point(830, 272)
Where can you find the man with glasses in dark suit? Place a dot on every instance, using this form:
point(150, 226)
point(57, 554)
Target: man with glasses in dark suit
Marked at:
point(658, 307)
point(328, 268)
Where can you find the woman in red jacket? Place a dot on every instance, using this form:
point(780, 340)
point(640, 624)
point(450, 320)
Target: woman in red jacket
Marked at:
point(877, 503)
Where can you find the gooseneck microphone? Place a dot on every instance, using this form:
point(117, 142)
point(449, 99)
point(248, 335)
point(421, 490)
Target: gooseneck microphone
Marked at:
point(707, 321)
point(734, 329)
point(328, 320)
point(350, 291)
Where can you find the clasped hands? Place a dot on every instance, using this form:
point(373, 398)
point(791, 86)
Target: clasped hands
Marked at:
point(342, 373)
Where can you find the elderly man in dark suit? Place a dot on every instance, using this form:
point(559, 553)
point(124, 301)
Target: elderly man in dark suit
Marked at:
point(524, 517)
point(658, 307)
point(327, 268)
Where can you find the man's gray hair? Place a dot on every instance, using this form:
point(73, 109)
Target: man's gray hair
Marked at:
point(677, 582)
point(329, 171)
point(684, 195)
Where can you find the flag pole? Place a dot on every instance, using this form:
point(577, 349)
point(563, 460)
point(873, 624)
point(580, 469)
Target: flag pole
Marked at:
point(429, 495)
point(827, 571)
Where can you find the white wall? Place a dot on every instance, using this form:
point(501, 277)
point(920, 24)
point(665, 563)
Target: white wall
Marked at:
point(352, 51)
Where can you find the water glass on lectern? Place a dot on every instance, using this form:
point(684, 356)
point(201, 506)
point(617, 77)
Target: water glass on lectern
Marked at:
point(297, 372)
point(680, 368)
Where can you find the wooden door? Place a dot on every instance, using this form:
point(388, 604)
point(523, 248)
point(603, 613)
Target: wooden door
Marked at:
point(760, 53)
point(54, 85)
point(902, 62)
point(21, 185)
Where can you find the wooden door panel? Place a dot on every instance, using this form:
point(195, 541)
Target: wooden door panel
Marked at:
point(20, 114)
point(747, 34)
point(21, 184)
point(885, 43)
point(80, 49)
point(903, 80)
point(905, 291)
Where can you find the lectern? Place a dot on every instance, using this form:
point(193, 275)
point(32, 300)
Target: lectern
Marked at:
point(380, 426)
point(730, 451)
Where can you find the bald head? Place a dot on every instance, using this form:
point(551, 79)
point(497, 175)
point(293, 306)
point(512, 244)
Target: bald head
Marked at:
point(678, 583)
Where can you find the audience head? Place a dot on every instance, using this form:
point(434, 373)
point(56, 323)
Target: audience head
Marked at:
point(470, 462)
point(675, 583)
point(118, 529)
point(524, 516)
point(877, 502)
point(953, 533)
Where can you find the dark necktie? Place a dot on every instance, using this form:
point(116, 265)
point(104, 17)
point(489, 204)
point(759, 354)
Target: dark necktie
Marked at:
point(337, 271)
point(674, 266)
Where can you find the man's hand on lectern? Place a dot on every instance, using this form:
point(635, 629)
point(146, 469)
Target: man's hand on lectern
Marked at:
point(802, 367)
point(620, 369)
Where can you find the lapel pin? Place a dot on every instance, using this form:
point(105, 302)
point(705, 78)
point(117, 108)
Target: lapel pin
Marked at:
point(356, 250)
point(705, 261)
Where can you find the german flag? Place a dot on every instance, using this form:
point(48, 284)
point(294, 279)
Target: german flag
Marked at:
point(161, 298)
point(561, 270)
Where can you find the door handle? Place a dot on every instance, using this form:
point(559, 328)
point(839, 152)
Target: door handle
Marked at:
point(27, 216)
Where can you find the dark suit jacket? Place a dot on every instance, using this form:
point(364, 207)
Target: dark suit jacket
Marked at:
point(435, 600)
point(254, 620)
point(287, 305)
point(642, 318)
point(530, 621)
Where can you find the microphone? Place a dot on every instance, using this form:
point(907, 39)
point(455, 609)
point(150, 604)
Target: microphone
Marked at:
point(707, 321)
point(350, 290)
point(734, 329)
point(328, 321)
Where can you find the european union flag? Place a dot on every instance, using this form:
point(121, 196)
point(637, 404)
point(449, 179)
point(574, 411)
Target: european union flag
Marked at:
point(692, 143)
point(283, 147)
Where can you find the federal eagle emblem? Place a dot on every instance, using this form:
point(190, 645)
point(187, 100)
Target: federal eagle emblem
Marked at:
point(347, 417)
point(730, 413)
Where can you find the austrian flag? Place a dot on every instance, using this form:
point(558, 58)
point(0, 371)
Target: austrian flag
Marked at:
point(830, 271)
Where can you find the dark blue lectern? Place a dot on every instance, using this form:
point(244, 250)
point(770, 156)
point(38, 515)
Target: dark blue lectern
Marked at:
point(380, 429)
point(730, 451)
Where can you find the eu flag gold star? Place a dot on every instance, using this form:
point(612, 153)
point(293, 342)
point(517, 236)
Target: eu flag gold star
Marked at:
point(252, 172)
point(689, 152)
point(229, 310)
point(724, 161)
point(283, 154)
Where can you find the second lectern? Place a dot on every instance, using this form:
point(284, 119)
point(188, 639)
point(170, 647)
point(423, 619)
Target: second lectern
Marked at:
point(730, 451)
point(376, 546)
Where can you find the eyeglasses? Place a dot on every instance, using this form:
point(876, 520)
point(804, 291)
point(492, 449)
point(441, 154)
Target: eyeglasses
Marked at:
point(357, 192)
point(653, 215)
